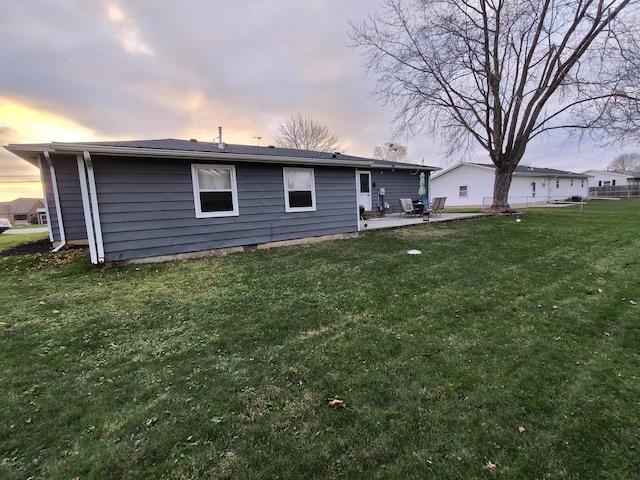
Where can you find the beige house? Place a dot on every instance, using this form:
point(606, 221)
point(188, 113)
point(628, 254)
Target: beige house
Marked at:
point(23, 210)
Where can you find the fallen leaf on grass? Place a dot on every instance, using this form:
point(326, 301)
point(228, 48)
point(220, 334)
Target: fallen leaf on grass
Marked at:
point(632, 302)
point(335, 403)
point(607, 334)
point(41, 304)
point(555, 307)
point(491, 465)
point(112, 346)
point(521, 429)
point(600, 290)
point(55, 311)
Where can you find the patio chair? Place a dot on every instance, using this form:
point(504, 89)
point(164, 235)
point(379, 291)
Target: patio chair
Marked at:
point(437, 207)
point(407, 208)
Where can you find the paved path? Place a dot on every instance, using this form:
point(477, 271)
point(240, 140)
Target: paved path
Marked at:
point(394, 220)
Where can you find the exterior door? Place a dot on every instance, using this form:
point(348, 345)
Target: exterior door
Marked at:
point(533, 189)
point(364, 190)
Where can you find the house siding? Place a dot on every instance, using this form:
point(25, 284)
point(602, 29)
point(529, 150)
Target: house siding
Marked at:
point(49, 198)
point(479, 181)
point(397, 184)
point(66, 167)
point(147, 209)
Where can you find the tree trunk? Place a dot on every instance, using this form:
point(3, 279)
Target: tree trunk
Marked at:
point(501, 186)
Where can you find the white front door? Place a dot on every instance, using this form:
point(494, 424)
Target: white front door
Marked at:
point(364, 190)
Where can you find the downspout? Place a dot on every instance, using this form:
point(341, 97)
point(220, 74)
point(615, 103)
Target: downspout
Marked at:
point(86, 208)
point(97, 225)
point(56, 199)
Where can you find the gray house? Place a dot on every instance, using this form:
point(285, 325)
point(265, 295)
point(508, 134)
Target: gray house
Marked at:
point(154, 200)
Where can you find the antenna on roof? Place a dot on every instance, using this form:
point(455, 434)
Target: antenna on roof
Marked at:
point(259, 138)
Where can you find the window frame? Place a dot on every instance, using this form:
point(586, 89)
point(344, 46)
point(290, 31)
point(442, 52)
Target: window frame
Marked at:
point(287, 207)
point(197, 190)
point(463, 191)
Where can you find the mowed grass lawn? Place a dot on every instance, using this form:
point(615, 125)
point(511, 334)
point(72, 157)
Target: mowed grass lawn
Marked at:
point(504, 350)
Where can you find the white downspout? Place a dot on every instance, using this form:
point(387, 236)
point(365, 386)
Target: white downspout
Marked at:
point(56, 199)
point(95, 208)
point(86, 209)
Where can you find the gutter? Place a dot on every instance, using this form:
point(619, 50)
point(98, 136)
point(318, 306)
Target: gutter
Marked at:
point(56, 198)
point(90, 207)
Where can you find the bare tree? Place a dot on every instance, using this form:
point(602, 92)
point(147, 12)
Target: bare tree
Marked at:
point(626, 162)
point(390, 151)
point(305, 133)
point(499, 73)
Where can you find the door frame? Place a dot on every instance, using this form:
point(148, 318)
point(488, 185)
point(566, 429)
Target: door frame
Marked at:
point(369, 205)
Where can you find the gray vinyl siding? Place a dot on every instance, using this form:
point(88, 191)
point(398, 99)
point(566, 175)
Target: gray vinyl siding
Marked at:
point(398, 184)
point(147, 208)
point(66, 167)
point(52, 219)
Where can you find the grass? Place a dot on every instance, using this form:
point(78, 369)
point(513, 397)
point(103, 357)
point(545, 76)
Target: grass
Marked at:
point(8, 240)
point(505, 350)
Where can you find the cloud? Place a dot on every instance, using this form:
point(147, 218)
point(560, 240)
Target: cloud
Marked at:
point(77, 70)
point(127, 33)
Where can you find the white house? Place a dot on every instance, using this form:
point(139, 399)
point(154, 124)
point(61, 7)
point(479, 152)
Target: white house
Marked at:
point(471, 184)
point(606, 178)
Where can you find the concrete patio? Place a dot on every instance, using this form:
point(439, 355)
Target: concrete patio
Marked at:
point(394, 220)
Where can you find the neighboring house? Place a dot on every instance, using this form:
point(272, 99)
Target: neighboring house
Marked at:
point(471, 184)
point(22, 210)
point(162, 199)
point(606, 178)
point(611, 184)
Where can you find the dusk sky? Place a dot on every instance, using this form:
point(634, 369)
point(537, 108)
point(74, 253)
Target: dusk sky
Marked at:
point(90, 70)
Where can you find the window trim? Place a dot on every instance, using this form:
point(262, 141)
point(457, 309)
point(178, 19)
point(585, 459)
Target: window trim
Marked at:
point(463, 191)
point(196, 191)
point(287, 207)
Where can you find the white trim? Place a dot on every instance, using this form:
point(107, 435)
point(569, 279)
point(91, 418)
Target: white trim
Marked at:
point(196, 191)
point(287, 207)
point(46, 202)
point(95, 208)
point(86, 208)
point(56, 199)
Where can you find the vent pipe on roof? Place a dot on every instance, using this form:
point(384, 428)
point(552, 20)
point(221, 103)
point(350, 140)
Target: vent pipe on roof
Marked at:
point(220, 142)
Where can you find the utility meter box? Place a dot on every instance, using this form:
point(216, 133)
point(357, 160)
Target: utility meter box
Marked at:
point(381, 192)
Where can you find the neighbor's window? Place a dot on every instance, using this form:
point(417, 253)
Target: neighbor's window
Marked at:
point(215, 190)
point(463, 190)
point(557, 183)
point(299, 190)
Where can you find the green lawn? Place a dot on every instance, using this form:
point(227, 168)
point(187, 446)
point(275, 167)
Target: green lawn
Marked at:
point(8, 240)
point(505, 350)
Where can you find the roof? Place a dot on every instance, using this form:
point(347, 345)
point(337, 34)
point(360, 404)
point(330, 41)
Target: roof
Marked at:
point(192, 149)
point(19, 205)
point(522, 170)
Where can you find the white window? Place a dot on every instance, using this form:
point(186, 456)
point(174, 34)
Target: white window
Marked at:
point(299, 190)
point(557, 183)
point(215, 191)
point(463, 190)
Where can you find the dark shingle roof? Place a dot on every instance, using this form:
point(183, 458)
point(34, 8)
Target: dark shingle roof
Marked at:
point(233, 149)
point(210, 150)
point(538, 171)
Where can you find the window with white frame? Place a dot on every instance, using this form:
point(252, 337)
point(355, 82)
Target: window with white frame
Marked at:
point(299, 190)
point(215, 191)
point(557, 183)
point(463, 190)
